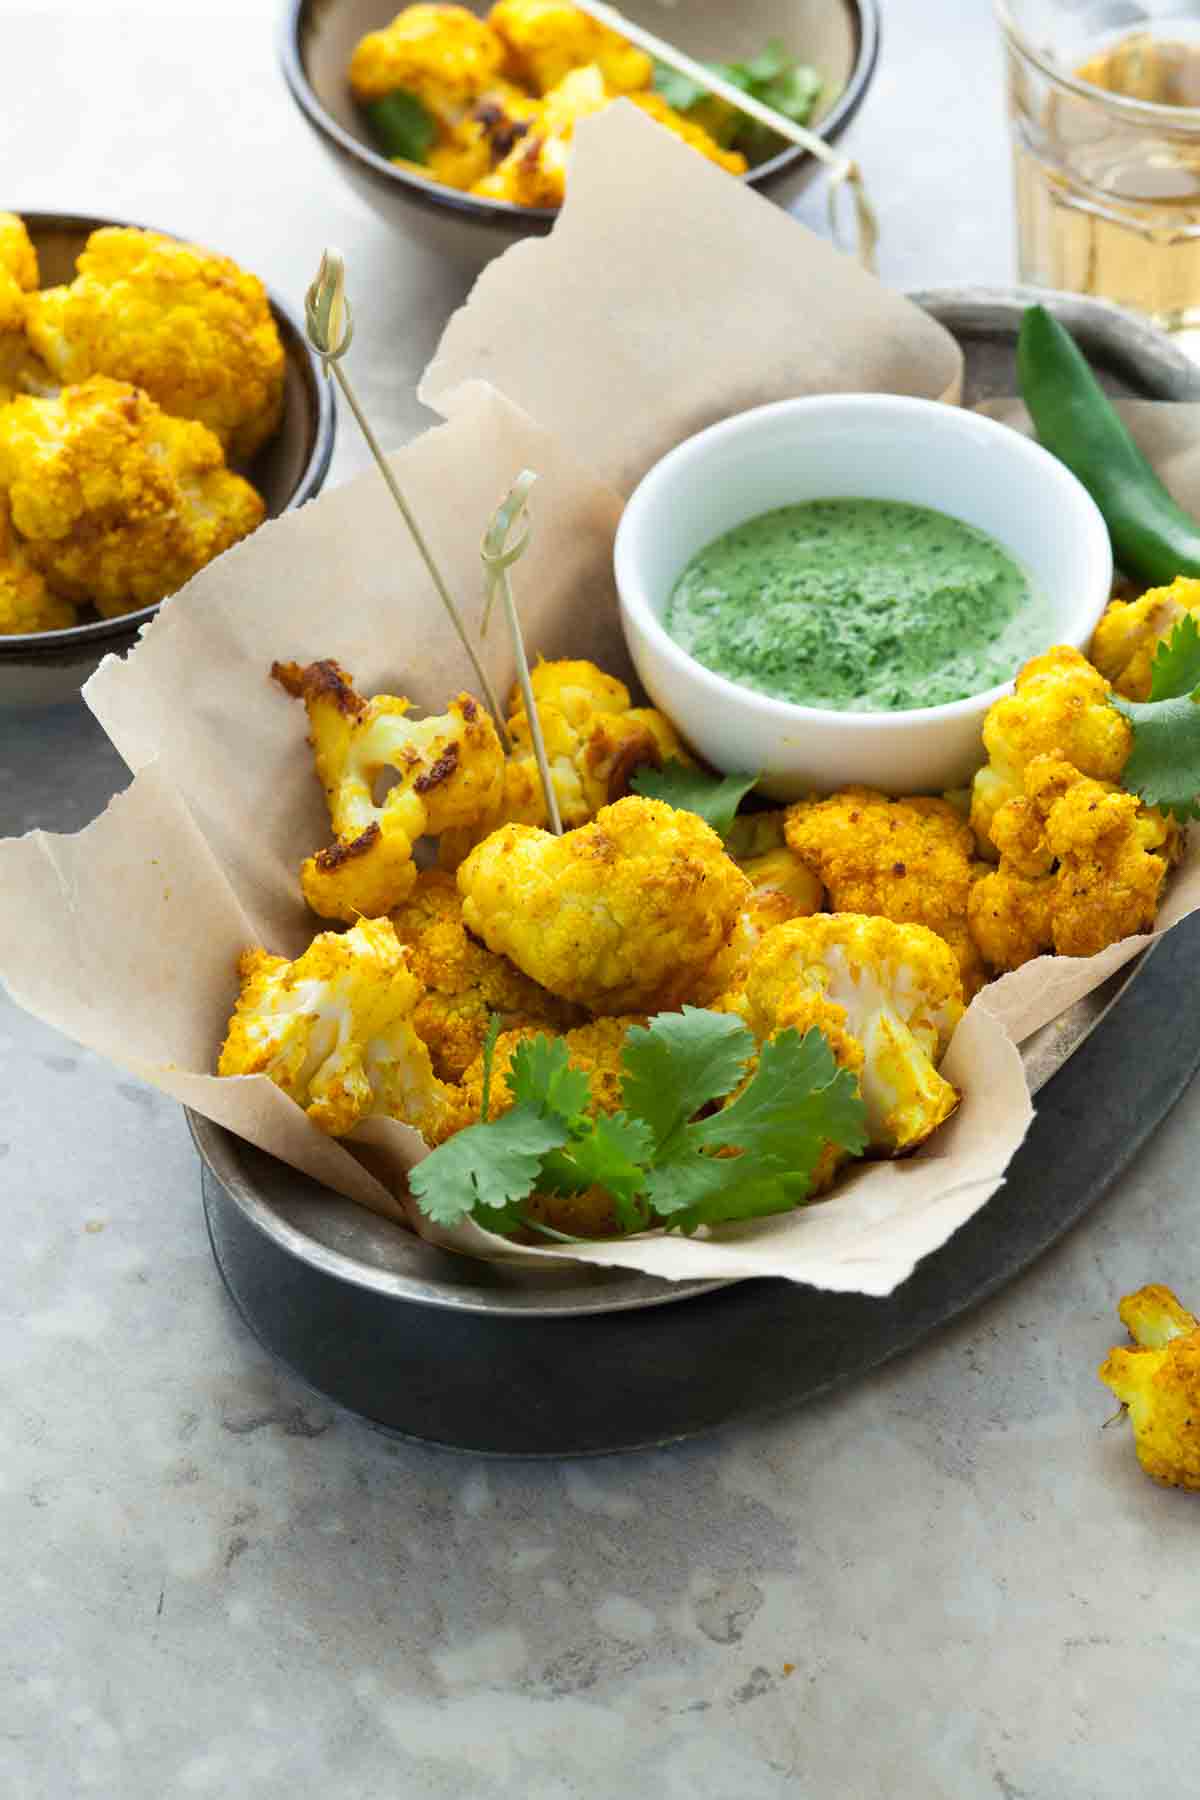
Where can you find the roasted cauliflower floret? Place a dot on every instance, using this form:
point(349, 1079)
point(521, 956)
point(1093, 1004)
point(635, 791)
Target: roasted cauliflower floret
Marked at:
point(1059, 708)
point(21, 372)
point(448, 770)
point(546, 39)
point(465, 983)
point(1127, 637)
point(1158, 1384)
point(443, 54)
point(334, 1030)
point(594, 741)
point(114, 501)
point(623, 914)
point(758, 845)
point(1081, 866)
point(190, 328)
point(911, 861)
point(469, 148)
point(26, 603)
point(18, 258)
point(534, 173)
point(691, 131)
point(893, 988)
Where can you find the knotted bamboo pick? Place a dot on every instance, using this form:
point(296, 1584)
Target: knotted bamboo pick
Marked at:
point(843, 169)
point(329, 323)
point(498, 557)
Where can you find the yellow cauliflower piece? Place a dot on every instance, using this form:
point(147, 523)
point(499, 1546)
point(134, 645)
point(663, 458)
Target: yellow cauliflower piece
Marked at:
point(758, 845)
point(1158, 1384)
point(594, 741)
point(448, 772)
point(894, 988)
point(189, 327)
point(534, 173)
point(911, 861)
point(1127, 637)
point(116, 502)
point(623, 914)
point(443, 54)
point(691, 132)
point(1059, 708)
point(547, 39)
point(26, 603)
point(18, 258)
point(1081, 866)
point(465, 983)
point(334, 1030)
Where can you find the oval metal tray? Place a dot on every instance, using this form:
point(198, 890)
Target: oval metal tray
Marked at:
point(571, 1359)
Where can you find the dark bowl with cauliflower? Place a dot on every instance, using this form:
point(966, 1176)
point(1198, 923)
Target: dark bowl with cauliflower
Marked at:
point(324, 60)
point(132, 451)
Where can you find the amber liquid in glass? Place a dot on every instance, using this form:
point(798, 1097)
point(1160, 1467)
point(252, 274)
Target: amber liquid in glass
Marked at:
point(1112, 207)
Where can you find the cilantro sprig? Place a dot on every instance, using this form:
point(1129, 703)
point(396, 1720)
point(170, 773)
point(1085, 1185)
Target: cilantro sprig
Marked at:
point(670, 1157)
point(715, 798)
point(774, 76)
point(1163, 768)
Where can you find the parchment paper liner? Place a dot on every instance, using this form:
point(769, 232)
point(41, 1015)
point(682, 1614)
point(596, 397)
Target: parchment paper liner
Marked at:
point(125, 936)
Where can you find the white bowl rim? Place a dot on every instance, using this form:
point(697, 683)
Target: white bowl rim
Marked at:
point(633, 600)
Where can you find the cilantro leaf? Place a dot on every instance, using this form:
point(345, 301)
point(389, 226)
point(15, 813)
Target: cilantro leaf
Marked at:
point(680, 1062)
point(492, 1166)
point(401, 125)
point(773, 76)
point(677, 89)
point(1175, 670)
point(612, 1154)
point(715, 798)
point(796, 1102)
point(489, 1057)
point(1164, 765)
point(540, 1076)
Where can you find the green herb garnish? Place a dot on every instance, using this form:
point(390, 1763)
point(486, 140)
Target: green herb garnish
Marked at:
point(401, 125)
point(662, 1164)
point(715, 798)
point(773, 76)
point(1164, 765)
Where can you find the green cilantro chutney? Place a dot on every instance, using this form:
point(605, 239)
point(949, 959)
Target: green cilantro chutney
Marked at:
point(857, 606)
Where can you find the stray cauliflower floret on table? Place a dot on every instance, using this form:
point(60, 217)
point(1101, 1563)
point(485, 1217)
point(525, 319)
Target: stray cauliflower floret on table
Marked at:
point(1157, 1382)
point(190, 328)
point(623, 914)
point(113, 500)
point(446, 773)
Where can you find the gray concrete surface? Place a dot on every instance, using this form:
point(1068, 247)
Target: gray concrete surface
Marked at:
point(943, 1582)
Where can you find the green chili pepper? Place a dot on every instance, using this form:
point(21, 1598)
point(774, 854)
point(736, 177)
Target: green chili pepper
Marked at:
point(401, 125)
point(1153, 539)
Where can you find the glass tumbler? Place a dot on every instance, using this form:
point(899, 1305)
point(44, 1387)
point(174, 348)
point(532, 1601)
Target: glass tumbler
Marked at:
point(1104, 102)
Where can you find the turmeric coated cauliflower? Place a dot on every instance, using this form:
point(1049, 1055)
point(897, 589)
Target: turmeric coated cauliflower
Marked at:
point(911, 861)
point(623, 914)
point(26, 603)
point(18, 258)
point(443, 54)
point(1059, 708)
point(448, 773)
point(189, 327)
point(546, 39)
point(116, 502)
point(894, 989)
point(334, 1030)
point(465, 983)
point(1082, 864)
point(690, 132)
point(594, 741)
point(21, 372)
point(1158, 1384)
point(534, 172)
point(1130, 632)
point(758, 845)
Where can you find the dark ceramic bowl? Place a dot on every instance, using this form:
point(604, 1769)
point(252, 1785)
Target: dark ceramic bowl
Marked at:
point(839, 37)
point(46, 667)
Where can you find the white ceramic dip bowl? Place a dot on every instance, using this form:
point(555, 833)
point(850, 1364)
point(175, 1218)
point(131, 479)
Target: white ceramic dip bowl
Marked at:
point(856, 446)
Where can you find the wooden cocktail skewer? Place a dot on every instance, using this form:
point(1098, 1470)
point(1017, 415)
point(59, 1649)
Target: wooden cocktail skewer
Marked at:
point(843, 168)
point(498, 557)
point(330, 327)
